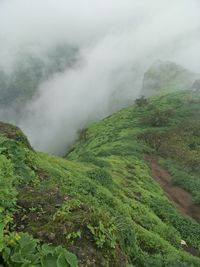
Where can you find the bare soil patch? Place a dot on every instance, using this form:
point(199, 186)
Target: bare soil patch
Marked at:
point(182, 199)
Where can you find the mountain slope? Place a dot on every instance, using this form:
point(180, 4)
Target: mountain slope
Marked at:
point(101, 201)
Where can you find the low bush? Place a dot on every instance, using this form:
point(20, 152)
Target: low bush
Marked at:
point(101, 176)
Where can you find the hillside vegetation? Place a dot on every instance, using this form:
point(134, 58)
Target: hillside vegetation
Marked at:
point(100, 204)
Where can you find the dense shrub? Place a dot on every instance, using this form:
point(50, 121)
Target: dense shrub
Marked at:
point(21, 157)
point(141, 102)
point(90, 158)
point(157, 117)
point(101, 176)
point(8, 192)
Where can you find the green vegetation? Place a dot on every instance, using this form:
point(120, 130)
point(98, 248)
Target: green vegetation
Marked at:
point(23, 250)
point(100, 202)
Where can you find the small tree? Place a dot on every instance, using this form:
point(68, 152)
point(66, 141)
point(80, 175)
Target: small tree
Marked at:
point(141, 102)
point(158, 118)
point(196, 85)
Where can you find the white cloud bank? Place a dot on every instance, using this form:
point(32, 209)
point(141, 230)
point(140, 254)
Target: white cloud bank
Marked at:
point(117, 39)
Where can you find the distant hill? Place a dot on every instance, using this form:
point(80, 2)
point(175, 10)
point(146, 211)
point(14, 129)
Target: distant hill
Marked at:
point(166, 77)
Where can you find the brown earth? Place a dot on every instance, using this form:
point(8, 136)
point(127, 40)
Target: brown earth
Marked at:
point(182, 199)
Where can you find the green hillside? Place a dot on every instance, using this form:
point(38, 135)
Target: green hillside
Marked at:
point(100, 205)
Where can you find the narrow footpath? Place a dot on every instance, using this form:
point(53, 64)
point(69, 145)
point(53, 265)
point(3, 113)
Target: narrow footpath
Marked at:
point(182, 199)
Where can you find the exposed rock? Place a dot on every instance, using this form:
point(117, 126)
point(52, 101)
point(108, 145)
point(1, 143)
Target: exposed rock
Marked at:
point(183, 243)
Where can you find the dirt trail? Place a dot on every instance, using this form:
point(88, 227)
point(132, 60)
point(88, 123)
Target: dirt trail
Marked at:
point(181, 198)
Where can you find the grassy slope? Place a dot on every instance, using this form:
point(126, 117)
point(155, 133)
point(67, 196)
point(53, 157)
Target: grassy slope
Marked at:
point(100, 202)
point(164, 126)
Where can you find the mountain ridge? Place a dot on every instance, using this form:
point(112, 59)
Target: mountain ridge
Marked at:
point(101, 202)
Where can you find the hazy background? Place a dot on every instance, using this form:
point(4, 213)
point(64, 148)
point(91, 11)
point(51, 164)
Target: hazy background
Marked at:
point(107, 47)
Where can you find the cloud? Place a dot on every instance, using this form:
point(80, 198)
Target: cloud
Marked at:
point(117, 40)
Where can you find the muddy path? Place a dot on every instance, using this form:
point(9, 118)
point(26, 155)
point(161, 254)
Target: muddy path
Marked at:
point(181, 198)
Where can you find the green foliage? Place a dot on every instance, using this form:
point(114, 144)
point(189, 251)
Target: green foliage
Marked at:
point(88, 157)
point(5, 219)
point(127, 237)
point(66, 209)
point(104, 236)
point(157, 117)
point(183, 177)
point(26, 251)
point(187, 227)
point(73, 235)
point(141, 102)
point(14, 133)
point(21, 157)
point(22, 250)
point(8, 192)
point(181, 143)
point(101, 176)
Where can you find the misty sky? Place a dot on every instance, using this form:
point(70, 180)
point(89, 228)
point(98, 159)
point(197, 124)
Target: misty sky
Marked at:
point(117, 39)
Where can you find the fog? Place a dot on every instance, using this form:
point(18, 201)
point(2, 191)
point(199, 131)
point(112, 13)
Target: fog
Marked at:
point(117, 41)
